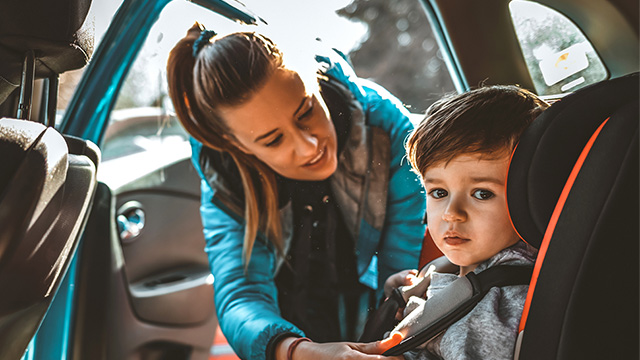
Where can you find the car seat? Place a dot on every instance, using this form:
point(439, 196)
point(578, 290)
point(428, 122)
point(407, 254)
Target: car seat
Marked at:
point(54, 29)
point(47, 180)
point(572, 185)
point(46, 186)
point(572, 192)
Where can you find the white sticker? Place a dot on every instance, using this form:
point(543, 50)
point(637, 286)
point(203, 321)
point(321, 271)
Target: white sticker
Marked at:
point(559, 66)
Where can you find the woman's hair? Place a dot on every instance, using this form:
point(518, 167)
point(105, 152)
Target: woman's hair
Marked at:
point(488, 120)
point(227, 71)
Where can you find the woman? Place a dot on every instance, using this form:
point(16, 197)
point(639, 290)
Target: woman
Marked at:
point(307, 205)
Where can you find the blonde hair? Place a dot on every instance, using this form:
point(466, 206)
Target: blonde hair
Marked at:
point(227, 71)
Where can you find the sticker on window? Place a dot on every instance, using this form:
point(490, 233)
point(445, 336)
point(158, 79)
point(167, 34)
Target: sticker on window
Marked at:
point(558, 55)
point(560, 65)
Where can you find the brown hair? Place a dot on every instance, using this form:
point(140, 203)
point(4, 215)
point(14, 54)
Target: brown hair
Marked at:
point(485, 120)
point(227, 71)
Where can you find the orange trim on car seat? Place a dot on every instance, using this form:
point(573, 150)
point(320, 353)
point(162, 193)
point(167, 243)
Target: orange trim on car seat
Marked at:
point(506, 181)
point(429, 251)
point(553, 222)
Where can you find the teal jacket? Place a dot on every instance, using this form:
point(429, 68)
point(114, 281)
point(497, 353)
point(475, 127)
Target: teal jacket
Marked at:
point(380, 199)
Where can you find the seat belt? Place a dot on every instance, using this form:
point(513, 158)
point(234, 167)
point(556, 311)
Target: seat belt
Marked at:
point(450, 304)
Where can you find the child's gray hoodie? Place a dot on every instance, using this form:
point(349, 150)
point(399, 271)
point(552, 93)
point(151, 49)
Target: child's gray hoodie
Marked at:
point(490, 330)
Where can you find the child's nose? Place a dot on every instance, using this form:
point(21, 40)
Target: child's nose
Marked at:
point(454, 212)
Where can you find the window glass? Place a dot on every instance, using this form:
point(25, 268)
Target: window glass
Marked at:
point(399, 51)
point(390, 43)
point(559, 57)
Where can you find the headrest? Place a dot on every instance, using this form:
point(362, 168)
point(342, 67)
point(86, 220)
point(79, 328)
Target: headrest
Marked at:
point(549, 148)
point(52, 28)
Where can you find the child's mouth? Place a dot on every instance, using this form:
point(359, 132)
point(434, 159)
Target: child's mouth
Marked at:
point(454, 240)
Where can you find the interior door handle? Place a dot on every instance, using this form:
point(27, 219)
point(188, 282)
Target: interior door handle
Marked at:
point(131, 220)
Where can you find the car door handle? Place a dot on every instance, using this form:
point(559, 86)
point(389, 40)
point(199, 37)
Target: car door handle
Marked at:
point(131, 220)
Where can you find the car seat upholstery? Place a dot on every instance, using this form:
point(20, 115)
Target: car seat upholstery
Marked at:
point(47, 183)
point(54, 29)
point(572, 191)
point(429, 250)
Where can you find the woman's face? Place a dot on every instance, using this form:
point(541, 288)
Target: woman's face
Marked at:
point(287, 127)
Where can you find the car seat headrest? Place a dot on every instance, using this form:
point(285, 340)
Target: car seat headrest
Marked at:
point(549, 148)
point(54, 29)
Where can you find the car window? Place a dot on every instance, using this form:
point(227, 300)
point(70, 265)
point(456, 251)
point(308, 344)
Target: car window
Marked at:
point(143, 132)
point(399, 51)
point(390, 43)
point(559, 57)
point(135, 130)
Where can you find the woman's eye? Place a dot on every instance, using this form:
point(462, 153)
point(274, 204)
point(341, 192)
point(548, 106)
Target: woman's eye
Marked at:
point(274, 141)
point(308, 112)
point(482, 194)
point(438, 193)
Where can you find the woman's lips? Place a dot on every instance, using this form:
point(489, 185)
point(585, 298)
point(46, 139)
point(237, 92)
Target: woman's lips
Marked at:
point(317, 158)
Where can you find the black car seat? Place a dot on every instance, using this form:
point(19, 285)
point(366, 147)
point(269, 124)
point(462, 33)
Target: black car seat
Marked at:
point(54, 29)
point(572, 191)
point(47, 183)
point(47, 180)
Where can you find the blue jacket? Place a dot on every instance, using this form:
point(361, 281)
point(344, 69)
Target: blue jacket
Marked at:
point(379, 196)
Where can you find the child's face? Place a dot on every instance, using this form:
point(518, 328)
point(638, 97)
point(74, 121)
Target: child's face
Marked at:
point(466, 208)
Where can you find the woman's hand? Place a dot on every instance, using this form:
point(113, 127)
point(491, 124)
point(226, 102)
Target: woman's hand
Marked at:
point(334, 351)
point(402, 278)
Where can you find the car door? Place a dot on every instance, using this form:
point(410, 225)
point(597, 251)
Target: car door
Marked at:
point(140, 285)
point(162, 295)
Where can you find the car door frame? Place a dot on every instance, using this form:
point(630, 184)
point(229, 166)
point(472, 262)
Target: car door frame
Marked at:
point(87, 117)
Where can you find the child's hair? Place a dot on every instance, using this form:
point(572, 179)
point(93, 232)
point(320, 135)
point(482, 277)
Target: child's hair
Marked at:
point(487, 120)
point(220, 72)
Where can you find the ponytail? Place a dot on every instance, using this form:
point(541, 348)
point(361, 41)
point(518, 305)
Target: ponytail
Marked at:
point(225, 72)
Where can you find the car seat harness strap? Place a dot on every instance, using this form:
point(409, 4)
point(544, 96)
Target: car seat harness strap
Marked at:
point(453, 303)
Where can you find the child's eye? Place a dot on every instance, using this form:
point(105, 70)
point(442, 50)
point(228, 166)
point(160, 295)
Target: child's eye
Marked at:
point(438, 193)
point(482, 194)
point(275, 141)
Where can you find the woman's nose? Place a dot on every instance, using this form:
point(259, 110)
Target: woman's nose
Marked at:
point(306, 144)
